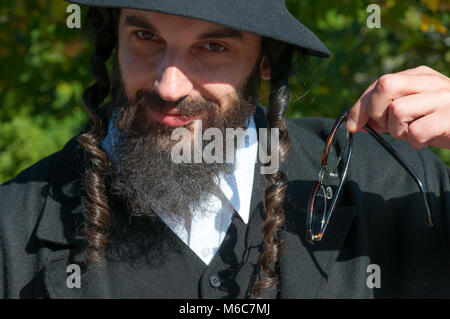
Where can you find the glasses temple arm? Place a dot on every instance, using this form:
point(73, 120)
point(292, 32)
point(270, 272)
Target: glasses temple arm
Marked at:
point(390, 149)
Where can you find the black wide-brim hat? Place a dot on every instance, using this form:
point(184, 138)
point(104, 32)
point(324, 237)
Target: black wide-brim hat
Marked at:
point(269, 18)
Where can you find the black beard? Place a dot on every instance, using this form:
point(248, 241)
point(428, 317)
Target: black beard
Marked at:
point(143, 174)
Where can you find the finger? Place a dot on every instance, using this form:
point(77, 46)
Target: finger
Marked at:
point(432, 129)
point(392, 87)
point(357, 115)
point(422, 69)
point(375, 127)
point(355, 111)
point(425, 70)
point(374, 102)
point(407, 109)
point(398, 128)
point(441, 141)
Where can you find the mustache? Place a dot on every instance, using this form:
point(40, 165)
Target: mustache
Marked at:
point(150, 99)
point(186, 106)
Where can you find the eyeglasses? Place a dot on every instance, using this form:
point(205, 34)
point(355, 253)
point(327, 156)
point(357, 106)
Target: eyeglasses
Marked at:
point(335, 162)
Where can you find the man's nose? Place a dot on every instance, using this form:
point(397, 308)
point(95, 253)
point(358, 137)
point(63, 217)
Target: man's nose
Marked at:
point(173, 84)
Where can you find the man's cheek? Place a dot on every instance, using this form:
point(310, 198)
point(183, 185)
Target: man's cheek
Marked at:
point(135, 76)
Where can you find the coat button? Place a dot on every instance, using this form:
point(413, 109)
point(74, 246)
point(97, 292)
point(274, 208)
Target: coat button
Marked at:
point(214, 281)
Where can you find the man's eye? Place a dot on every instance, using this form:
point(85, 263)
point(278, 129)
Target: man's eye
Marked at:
point(145, 35)
point(215, 47)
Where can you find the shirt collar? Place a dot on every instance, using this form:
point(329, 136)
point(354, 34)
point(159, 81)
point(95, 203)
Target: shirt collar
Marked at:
point(238, 185)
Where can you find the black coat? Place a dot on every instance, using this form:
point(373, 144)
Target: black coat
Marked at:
point(379, 220)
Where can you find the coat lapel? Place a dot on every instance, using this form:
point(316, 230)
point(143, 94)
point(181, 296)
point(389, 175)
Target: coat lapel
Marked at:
point(61, 218)
point(305, 268)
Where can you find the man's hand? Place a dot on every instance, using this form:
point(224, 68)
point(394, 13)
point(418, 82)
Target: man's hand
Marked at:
point(412, 105)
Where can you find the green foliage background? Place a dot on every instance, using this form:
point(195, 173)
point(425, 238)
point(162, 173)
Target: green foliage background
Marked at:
point(44, 66)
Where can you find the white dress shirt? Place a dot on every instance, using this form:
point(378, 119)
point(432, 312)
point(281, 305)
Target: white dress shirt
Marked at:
point(206, 230)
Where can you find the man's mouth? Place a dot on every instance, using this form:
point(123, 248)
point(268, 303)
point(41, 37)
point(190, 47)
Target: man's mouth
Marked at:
point(171, 117)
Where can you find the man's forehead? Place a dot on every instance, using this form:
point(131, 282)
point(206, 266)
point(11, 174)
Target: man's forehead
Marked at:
point(155, 21)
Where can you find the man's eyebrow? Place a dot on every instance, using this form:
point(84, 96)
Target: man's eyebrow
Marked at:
point(219, 33)
point(222, 33)
point(140, 22)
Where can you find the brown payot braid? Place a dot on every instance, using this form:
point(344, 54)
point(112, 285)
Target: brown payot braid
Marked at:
point(279, 56)
point(101, 28)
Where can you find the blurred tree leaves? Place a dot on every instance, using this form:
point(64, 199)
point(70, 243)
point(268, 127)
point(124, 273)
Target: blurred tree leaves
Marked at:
point(44, 70)
point(45, 66)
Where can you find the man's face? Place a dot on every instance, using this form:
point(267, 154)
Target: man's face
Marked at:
point(178, 58)
point(173, 71)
